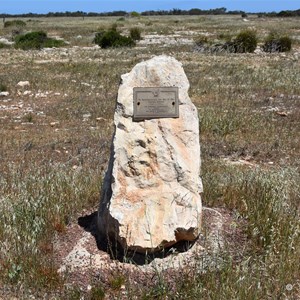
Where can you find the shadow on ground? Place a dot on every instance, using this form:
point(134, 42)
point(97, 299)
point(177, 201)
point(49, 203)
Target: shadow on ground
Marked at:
point(117, 252)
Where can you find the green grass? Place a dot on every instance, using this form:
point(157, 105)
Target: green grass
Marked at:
point(35, 206)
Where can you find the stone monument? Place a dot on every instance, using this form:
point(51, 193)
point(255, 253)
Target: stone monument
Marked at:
point(151, 192)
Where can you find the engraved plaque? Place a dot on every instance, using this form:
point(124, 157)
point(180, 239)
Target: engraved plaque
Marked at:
point(155, 102)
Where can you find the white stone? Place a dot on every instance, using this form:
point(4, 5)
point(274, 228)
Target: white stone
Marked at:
point(4, 94)
point(151, 192)
point(5, 41)
point(23, 83)
point(86, 116)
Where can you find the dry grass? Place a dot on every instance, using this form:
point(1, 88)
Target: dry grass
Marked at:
point(55, 136)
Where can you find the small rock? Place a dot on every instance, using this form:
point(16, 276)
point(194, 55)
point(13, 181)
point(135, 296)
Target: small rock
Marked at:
point(52, 124)
point(258, 50)
point(275, 109)
point(282, 113)
point(100, 119)
point(86, 116)
point(5, 41)
point(23, 83)
point(4, 94)
point(26, 93)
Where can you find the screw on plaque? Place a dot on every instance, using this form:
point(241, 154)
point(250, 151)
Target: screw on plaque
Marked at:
point(155, 93)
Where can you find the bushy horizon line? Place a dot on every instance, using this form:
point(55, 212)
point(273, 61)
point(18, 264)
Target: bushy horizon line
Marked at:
point(174, 11)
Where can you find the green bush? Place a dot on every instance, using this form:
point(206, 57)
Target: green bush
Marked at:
point(134, 14)
point(112, 39)
point(14, 23)
point(246, 41)
point(135, 33)
point(276, 43)
point(36, 40)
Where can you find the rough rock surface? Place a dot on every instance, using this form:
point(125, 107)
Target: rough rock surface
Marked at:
point(151, 192)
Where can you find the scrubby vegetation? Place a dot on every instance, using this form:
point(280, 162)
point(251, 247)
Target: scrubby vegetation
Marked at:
point(4, 45)
point(113, 39)
point(55, 138)
point(135, 33)
point(277, 43)
point(36, 40)
point(134, 14)
point(14, 23)
point(245, 42)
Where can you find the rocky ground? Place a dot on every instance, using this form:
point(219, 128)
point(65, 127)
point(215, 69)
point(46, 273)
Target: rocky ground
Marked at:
point(84, 257)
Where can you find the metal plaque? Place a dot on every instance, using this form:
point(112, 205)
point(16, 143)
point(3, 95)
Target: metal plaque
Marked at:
point(155, 102)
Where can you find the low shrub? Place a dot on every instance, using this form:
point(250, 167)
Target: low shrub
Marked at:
point(134, 14)
point(135, 33)
point(225, 36)
point(112, 39)
point(14, 23)
point(276, 43)
point(36, 40)
point(201, 40)
point(245, 42)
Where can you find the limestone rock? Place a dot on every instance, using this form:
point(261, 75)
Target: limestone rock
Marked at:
point(151, 192)
point(4, 94)
point(23, 83)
